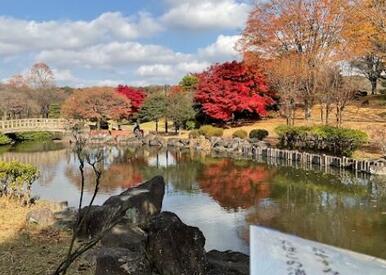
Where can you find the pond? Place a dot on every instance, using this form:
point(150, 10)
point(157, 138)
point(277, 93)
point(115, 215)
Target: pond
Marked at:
point(223, 196)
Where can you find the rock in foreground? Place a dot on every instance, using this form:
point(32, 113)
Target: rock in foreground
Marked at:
point(136, 206)
point(43, 217)
point(148, 242)
point(121, 261)
point(227, 262)
point(175, 248)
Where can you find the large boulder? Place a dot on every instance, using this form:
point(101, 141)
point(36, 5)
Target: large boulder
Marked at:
point(121, 261)
point(227, 263)
point(42, 217)
point(152, 140)
point(174, 247)
point(66, 218)
point(144, 201)
point(97, 219)
point(178, 142)
point(134, 206)
point(217, 142)
point(125, 236)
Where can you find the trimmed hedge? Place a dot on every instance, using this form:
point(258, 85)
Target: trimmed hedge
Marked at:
point(5, 140)
point(211, 131)
point(258, 134)
point(16, 179)
point(34, 136)
point(240, 134)
point(327, 139)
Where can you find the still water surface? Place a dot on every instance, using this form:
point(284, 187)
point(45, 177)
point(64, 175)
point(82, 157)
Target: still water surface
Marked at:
point(224, 196)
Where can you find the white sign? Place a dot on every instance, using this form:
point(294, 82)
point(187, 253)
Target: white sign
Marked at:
point(275, 253)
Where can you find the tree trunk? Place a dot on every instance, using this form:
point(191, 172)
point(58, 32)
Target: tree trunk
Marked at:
point(307, 110)
point(339, 111)
point(98, 124)
point(337, 116)
point(373, 86)
point(156, 126)
point(166, 125)
point(327, 113)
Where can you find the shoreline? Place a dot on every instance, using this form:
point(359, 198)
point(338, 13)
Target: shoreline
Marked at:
point(248, 148)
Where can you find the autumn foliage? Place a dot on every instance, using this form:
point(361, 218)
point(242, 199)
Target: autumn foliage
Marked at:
point(136, 96)
point(228, 89)
point(97, 103)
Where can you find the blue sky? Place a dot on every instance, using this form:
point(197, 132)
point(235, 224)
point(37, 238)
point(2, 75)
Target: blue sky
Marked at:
point(100, 42)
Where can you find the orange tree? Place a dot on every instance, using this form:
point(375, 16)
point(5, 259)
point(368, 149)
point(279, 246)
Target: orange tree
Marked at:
point(97, 104)
point(309, 32)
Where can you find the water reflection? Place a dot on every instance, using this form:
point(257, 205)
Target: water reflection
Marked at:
point(235, 184)
point(223, 196)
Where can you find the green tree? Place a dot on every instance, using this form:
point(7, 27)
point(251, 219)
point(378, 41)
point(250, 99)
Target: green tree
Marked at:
point(189, 83)
point(154, 108)
point(181, 109)
point(54, 111)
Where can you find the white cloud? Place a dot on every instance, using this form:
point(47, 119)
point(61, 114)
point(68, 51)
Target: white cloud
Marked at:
point(206, 14)
point(192, 67)
point(64, 76)
point(170, 73)
point(112, 54)
point(109, 48)
point(156, 70)
point(222, 49)
point(18, 35)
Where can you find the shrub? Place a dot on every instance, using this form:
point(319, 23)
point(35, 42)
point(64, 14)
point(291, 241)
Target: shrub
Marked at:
point(4, 140)
point(240, 134)
point(211, 131)
point(332, 140)
point(34, 136)
point(191, 124)
point(194, 134)
point(258, 134)
point(16, 179)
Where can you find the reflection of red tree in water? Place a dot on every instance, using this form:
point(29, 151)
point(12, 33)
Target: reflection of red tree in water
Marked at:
point(122, 175)
point(235, 186)
point(116, 176)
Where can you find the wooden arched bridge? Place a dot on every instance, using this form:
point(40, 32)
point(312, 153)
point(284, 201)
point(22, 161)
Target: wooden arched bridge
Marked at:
point(33, 124)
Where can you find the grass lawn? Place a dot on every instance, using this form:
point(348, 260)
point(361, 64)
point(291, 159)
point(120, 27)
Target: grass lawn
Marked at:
point(27, 250)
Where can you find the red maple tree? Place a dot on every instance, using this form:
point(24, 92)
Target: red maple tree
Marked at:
point(228, 89)
point(136, 96)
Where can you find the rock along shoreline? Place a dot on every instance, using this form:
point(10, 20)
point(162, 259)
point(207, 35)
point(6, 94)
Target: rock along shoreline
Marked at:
point(146, 240)
point(250, 148)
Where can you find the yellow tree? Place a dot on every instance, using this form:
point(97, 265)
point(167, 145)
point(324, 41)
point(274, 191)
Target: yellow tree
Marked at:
point(366, 31)
point(286, 79)
point(309, 31)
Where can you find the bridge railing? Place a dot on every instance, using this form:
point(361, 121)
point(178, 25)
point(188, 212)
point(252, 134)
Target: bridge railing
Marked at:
point(33, 124)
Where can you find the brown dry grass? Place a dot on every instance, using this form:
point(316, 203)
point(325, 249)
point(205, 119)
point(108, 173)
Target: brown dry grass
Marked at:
point(27, 250)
